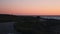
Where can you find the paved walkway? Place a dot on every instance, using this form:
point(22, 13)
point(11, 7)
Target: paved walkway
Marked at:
point(6, 28)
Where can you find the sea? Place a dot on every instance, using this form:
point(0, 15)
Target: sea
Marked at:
point(51, 17)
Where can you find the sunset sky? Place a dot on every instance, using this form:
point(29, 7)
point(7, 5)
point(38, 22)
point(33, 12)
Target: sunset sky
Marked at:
point(30, 7)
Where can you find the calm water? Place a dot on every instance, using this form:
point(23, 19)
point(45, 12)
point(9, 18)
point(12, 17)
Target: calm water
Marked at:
point(49, 17)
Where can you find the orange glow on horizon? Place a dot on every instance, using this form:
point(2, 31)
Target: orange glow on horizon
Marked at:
point(30, 7)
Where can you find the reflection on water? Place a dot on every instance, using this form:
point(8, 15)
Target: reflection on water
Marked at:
point(51, 17)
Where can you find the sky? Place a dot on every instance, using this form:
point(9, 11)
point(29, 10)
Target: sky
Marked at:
point(30, 7)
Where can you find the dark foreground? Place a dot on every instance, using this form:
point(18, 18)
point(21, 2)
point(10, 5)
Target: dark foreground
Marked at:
point(40, 25)
point(7, 28)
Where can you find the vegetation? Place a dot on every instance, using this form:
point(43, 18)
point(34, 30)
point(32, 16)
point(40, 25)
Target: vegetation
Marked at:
point(25, 23)
point(30, 24)
point(34, 25)
point(6, 18)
